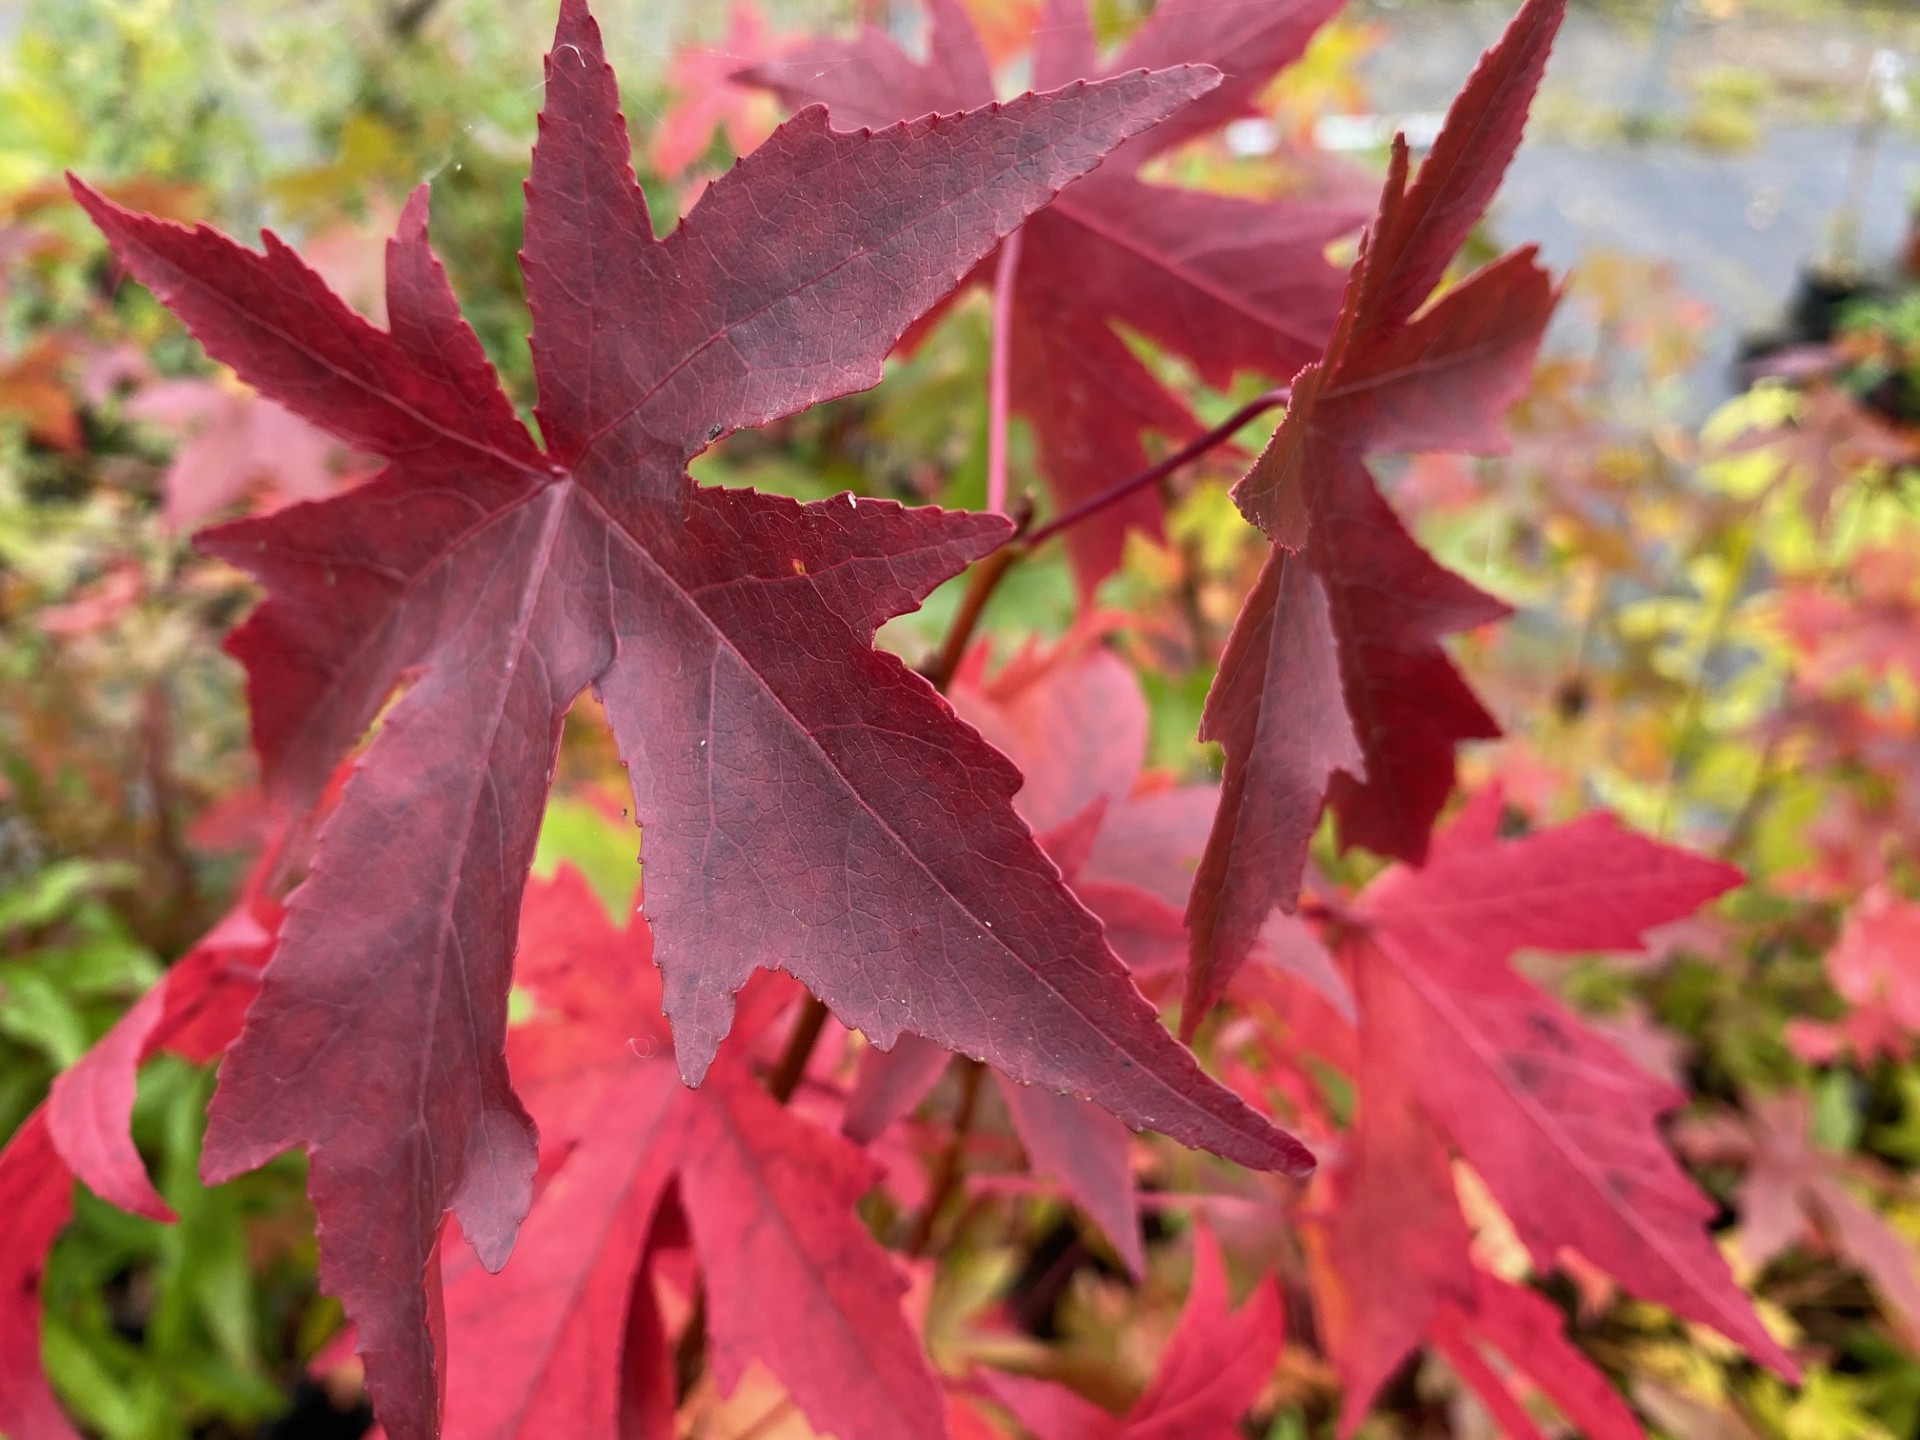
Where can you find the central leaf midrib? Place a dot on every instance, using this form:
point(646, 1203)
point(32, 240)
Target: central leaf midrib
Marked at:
point(447, 930)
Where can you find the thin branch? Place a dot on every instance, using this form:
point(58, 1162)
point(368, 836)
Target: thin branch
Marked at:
point(991, 571)
point(1159, 471)
point(690, 1354)
point(786, 1073)
point(947, 1175)
point(985, 579)
point(999, 362)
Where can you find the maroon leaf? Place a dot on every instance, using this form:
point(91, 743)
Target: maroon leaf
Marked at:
point(1088, 1152)
point(809, 802)
point(1791, 1189)
point(1230, 284)
point(1334, 686)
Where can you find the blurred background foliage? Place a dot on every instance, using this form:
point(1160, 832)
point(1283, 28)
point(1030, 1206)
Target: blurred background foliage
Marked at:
point(1718, 634)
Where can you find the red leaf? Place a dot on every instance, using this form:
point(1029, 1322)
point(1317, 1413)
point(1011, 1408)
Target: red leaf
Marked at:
point(1053, 1412)
point(792, 1277)
point(1399, 1272)
point(1218, 1360)
point(770, 1201)
point(36, 1196)
point(1791, 1188)
point(809, 803)
point(1396, 1244)
point(1334, 686)
point(537, 1349)
point(1525, 1328)
point(1563, 1128)
point(194, 1010)
point(1230, 284)
point(1213, 1368)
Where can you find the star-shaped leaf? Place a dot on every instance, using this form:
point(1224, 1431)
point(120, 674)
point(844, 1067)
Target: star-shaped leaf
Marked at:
point(1229, 284)
point(1333, 687)
point(809, 803)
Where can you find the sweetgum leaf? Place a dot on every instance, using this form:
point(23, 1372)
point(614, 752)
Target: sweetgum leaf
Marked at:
point(809, 803)
point(1334, 687)
point(1230, 284)
point(1562, 1127)
point(793, 1280)
point(1525, 1330)
point(1792, 1188)
point(1396, 1243)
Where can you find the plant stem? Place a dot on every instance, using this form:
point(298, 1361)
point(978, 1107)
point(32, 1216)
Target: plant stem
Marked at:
point(690, 1355)
point(786, 1073)
point(1159, 471)
point(985, 579)
point(946, 1177)
point(998, 364)
point(991, 571)
point(1693, 709)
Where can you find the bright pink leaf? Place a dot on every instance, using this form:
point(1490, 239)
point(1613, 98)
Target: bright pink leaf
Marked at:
point(1212, 1370)
point(1792, 1190)
point(1563, 1128)
point(793, 1279)
point(703, 100)
point(36, 1196)
point(194, 1010)
point(231, 443)
point(890, 1084)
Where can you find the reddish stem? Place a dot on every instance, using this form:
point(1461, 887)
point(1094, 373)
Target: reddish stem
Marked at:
point(998, 364)
point(951, 1168)
point(792, 1064)
point(985, 579)
point(1159, 471)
